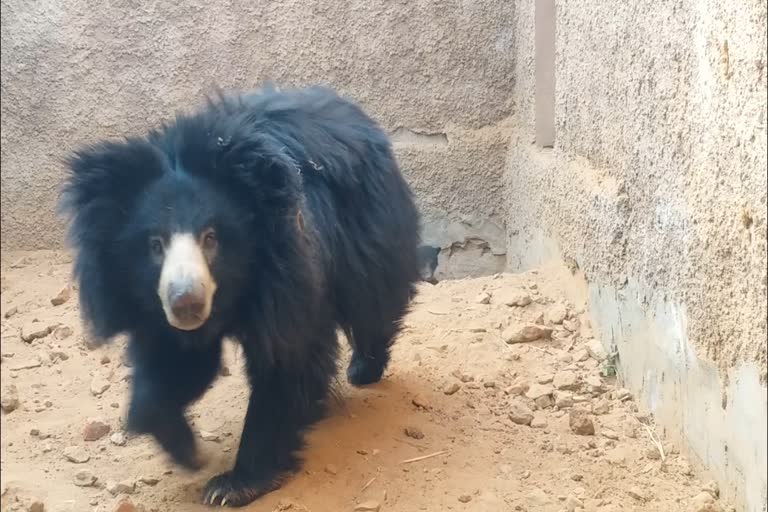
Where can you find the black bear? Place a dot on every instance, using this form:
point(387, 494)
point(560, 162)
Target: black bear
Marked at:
point(272, 218)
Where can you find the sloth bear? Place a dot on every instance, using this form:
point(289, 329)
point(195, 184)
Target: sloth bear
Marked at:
point(271, 218)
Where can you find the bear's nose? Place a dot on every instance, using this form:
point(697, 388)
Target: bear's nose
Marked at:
point(187, 301)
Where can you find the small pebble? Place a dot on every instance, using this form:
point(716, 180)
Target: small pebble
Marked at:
point(483, 298)
point(414, 432)
point(85, 478)
point(63, 296)
point(149, 480)
point(520, 413)
point(636, 493)
point(34, 331)
point(451, 388)
point(99, 384)
point(128, 506)
point(118, 439)
point(556, 314)
point(539, 420)
point(580, 423)
point(10, 398)
point(123, 487)
point(95, 429)
point(76, 454)
point(37, 506)
point(209, 436)
point(530, 332)
point(368, 506)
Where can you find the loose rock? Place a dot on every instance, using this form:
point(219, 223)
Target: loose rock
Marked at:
point(572, 503)
point(58, 355)
point(34, 331)
point(609, 434)
point(149, 480)
point(515, 298)
point(123, 487)
point(636, 493)
point(85, 478)
point(520, 413)
point(538, 499)
point(331, 469)
point(595, 349)
point(563, 399)
point(705, 502)
point(95, 429)
point(566, 380)
point(76, 454)
point(118, 439)
point(63, 296)
point(556, 314)
point(581, 355)
point(26, 364)
point(483, 298)
point(209, 436)
point(652, 453)
point(601, 407)
point(594, 385)
point(452, 388)
point(9, 401)
point(465, 498)
point(128, 506)
point(37, 506)
point(580, 423)
point(414, 432)
point(527, 333)
point(62, 332)
point(571, 325)
point(517, 388)
point(539, 420)
point(99, 384)
point(368, 506)
point(538, 391)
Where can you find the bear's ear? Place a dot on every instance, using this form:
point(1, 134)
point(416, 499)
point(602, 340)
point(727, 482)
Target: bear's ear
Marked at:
point(103, 182)
point(264, 171)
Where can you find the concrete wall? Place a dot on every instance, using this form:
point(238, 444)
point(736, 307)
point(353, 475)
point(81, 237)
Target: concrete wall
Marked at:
point(436, 73)
point(656, 189)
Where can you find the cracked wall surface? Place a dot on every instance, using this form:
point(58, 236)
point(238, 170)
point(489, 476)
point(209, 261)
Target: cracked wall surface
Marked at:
point(437, 75)
point(656, 189)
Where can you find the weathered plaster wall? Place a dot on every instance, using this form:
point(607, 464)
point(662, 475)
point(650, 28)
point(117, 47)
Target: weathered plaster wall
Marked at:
point(437, 73)
point(656, 187)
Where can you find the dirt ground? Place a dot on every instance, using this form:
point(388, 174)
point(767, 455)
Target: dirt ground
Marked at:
point(463, 420)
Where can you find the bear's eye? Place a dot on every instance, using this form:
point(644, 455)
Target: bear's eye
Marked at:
point(156, 246)
point(210, 241)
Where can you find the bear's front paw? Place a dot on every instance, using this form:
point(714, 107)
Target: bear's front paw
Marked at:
point(232, 490)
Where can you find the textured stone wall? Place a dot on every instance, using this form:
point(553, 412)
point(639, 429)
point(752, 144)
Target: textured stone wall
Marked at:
point(436, 73)
point(656, 189)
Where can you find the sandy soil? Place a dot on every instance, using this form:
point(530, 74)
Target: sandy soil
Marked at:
point(493, 430)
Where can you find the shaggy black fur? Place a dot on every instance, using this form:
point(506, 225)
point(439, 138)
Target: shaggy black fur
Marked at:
point(316, 229)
